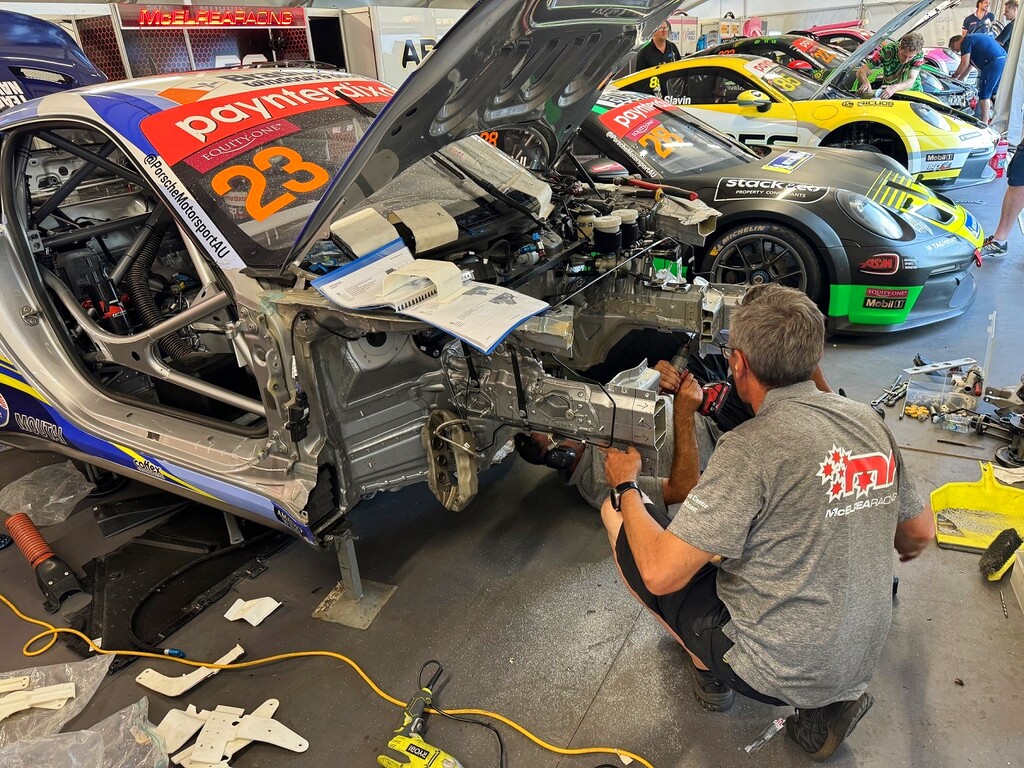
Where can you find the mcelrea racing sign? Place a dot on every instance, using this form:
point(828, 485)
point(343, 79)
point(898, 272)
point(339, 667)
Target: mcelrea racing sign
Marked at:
point(769, 189)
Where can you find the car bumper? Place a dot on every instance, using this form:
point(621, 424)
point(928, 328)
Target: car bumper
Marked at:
point(977, 170)
point(942, 297)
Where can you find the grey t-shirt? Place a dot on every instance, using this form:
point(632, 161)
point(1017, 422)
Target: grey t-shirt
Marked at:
point(802, 503)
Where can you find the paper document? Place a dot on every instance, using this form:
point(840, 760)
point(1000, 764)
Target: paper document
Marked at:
point(479, 314)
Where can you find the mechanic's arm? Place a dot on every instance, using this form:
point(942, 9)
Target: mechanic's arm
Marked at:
point(685, 471)
point(863, 73)
point(666, 563)
point(964, 68)
point(914, 535)
point(889, 90)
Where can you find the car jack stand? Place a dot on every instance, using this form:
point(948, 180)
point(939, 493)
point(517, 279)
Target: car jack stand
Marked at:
point(353, 602)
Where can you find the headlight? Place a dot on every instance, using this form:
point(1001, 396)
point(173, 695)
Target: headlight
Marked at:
point(929, 115)
point(869, 214)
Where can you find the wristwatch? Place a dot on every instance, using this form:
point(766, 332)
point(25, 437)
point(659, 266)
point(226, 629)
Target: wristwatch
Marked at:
point(620, 489)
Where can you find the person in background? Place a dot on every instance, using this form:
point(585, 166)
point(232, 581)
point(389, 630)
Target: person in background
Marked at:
point(1013, 204)
point(988, 57)
point(660, 50)
point(979, 21)
point(1010, 14)
point(901, 66)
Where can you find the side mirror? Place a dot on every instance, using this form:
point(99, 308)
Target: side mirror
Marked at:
point(799, 64)
point(755, 99)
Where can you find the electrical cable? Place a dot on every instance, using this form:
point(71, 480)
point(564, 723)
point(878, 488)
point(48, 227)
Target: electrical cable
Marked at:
point(443, 713)
point(53, 632)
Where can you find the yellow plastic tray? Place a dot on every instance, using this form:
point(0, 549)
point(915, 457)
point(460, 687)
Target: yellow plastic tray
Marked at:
point(969, 515)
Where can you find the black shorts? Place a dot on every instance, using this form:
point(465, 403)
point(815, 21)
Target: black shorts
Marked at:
point(1015, 170)
point(694, 614)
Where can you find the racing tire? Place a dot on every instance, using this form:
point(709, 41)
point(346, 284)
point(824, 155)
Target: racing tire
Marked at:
point(764, 252)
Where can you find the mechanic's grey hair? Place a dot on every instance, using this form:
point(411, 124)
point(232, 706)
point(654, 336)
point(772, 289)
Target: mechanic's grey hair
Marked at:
point(781, 333)
point(912, 41)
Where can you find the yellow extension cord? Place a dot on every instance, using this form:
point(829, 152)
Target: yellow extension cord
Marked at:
point(53, 632)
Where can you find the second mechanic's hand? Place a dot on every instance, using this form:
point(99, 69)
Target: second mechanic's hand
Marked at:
point(621, 466)
point(688, 397)
point(670, 377)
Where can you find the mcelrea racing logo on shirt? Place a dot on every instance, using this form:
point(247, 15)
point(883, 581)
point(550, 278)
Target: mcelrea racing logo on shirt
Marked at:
point(848, 475)
point(770, 189)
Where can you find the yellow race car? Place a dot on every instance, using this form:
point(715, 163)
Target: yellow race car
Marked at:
point(758, 102)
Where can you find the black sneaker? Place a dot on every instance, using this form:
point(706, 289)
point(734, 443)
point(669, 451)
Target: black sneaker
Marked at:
point(820, 731)
point(993, 247)
point(712, 693)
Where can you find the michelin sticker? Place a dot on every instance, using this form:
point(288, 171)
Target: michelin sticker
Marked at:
point(768, 189)
point(788, 161)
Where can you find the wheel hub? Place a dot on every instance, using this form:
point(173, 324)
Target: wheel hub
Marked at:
point(760, 277)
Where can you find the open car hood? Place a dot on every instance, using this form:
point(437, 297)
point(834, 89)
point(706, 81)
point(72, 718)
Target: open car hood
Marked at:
point(925, 9)
point(538, 65)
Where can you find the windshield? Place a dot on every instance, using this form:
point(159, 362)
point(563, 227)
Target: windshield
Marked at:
point(795, 86)
point(660, 137)
point(818, 55)
point(258, 163)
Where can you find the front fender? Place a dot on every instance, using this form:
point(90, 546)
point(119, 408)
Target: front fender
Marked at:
point(807, 222)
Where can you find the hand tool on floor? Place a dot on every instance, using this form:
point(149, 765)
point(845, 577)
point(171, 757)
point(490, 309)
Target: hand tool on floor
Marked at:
point(890, 396)
point(56, 579)
point(408, 744)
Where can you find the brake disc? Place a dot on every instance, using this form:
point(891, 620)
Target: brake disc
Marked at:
point(451, 455)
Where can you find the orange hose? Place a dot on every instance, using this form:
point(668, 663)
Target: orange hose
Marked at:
point(28, 538)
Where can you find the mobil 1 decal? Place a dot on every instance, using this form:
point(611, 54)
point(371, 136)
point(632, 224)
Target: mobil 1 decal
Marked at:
point(886, 298)
point(768, 189)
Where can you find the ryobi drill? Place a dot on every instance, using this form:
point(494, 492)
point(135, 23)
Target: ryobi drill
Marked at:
point(411, 751)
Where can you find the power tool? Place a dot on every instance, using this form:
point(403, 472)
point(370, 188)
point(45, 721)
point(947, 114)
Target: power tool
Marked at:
point(714, 393)
point(411, 751)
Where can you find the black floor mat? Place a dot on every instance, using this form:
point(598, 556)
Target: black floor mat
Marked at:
point(119, 580)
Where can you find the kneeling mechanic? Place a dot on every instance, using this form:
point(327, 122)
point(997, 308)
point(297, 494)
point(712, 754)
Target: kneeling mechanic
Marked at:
point(800, 507)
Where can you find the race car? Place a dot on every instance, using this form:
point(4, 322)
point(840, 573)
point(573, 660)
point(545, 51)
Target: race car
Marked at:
point(817, 61)
point(38, 58)
point(850, 35)
point(279, 291)
point(760, 103)
point(875, 249)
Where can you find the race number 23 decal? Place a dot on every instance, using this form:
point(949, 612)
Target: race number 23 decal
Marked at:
point(294, 165)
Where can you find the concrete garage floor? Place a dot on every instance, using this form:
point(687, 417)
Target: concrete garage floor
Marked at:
point(519, 599)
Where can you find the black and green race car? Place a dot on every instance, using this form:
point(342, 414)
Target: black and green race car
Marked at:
point(875, 249)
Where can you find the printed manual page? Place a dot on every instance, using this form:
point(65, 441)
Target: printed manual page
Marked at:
point(480, 314)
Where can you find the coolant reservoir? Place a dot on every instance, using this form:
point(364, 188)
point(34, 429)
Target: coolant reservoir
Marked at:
point(585, 226)
point(607, 234)
point(630, 225)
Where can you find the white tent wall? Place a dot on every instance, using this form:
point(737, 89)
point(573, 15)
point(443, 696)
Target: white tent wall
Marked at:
point(798, 16)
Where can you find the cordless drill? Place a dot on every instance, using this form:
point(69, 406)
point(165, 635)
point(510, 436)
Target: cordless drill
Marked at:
point(714, 392)
point(408, 745)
